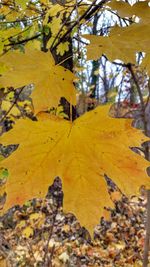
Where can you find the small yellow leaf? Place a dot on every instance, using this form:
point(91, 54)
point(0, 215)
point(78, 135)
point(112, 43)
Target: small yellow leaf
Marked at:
point(120, 245)
point(22, 3)
point(64, 257)
point(9, 96)
point(96, 72)
point(27, 232)
point(66, 228)
point(55, 25)
point(34, 216)
point(62, 48)
point(21, 224)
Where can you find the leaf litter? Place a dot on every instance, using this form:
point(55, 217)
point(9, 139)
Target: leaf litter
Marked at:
point(40, 234)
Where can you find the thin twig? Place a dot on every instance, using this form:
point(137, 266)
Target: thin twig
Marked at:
point(21, 20)
point(64, 60)
point(24, 40)
point(49, 260)
point(22, 31)
point(49, 263)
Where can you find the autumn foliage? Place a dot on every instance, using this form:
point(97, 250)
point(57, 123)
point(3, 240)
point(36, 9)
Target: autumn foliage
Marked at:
point(82, 151)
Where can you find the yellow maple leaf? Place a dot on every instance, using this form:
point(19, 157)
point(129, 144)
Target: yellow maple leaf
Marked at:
point(140, 9)
point(62, 48)
point(35, 67)
point(123, 43)
point(80, 153)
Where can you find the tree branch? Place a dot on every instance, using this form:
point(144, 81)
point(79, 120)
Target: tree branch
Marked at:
point(86, 15)
point(24, 40)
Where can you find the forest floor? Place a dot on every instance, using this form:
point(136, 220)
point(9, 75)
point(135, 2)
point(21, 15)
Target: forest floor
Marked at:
point(40, 234)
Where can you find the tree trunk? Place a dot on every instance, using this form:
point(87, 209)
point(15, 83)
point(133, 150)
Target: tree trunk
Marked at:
point(67, 62)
